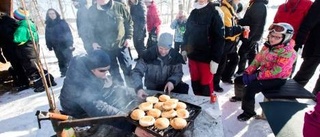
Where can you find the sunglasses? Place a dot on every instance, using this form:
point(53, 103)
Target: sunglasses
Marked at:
point(278, 28)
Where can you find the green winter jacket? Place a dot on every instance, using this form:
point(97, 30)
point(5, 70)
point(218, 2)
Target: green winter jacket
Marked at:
point(22, 34)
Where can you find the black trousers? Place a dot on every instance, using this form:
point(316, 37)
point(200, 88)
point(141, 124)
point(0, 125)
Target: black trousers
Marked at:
point(255, 87)
point(231, 65)
point(125, 60)
point(306, 71)
point(19, 76)
point(28, 57)
point(139, 45)
point(230, 49)
point(64, 55)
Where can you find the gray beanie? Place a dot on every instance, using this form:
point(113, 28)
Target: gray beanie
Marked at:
point(165, 40)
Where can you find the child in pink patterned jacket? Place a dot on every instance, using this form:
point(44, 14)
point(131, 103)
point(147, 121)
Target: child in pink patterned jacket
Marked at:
point(270, 68)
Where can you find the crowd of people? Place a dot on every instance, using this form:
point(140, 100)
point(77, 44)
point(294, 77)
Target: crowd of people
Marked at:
point(213, 39)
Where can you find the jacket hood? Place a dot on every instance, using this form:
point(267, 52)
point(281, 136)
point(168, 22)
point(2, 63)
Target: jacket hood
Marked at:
point(264, 1)
point(294, 3)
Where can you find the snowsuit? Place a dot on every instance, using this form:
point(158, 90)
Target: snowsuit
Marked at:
point(59, 38)
point(275, 66)
point(159, 70)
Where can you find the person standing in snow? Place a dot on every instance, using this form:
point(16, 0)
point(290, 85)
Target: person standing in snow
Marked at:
point(203, 44)
point(153, 23)
point(138, 14)
point(308, 35)
point(292, 12)
point(111, 29)
point(179, 26)
point(254, 17)
point(271, 67)
point(8, 26)
point(232, 34)
point(59, 39)
point(26, 51)
point(82, 22)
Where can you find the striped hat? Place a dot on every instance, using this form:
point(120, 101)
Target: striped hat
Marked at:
point(20, 14)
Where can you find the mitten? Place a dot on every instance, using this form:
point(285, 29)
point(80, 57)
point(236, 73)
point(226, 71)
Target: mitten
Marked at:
point(247, 79)
point(213, 67)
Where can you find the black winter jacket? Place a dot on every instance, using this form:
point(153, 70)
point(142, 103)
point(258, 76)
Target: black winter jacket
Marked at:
point(157, 70)
point(7, 28)
point(58, 33)
point(310, 26)
point(204, 36)
point(255, 17)
point(84, 95)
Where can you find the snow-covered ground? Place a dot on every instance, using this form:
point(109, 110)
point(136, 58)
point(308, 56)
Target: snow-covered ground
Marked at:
point(17, 110)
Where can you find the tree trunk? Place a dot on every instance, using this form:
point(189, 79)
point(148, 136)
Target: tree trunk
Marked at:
point(61, 9)
point(190, 3)
point(172, 8)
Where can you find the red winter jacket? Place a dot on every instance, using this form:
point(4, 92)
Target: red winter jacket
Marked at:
point(153, 19)
point(293, 12)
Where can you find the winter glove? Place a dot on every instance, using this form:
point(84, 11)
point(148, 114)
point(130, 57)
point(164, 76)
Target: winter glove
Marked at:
point(247, 79)
point(213, 67)
point(184, 55)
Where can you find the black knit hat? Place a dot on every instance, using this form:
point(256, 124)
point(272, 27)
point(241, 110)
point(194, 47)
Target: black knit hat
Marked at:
point(98, 59)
